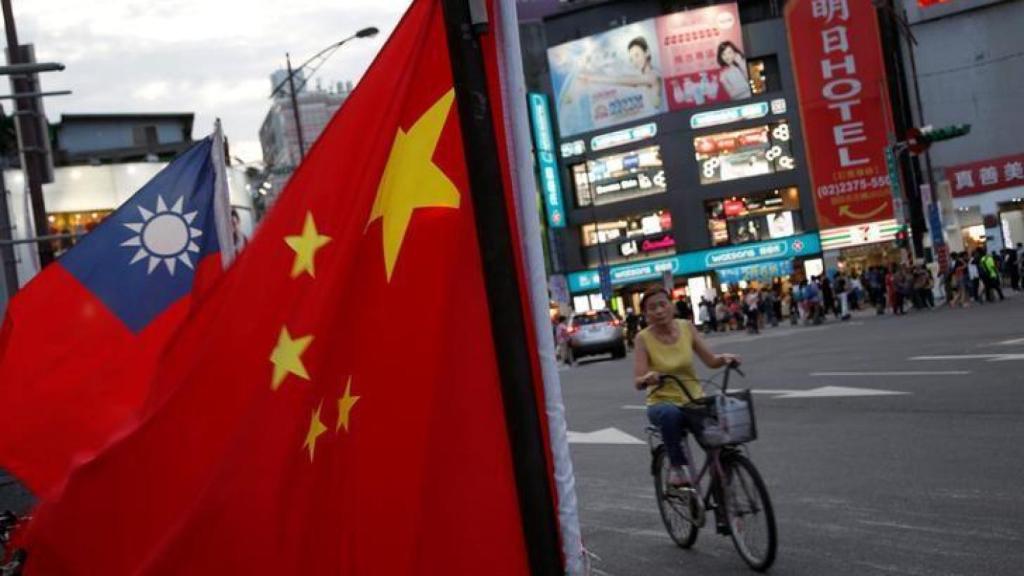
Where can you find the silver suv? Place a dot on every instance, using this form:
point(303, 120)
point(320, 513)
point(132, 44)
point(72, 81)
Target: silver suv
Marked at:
point(596, 333)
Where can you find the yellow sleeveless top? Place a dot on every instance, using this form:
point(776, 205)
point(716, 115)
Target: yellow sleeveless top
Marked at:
point(675, 359)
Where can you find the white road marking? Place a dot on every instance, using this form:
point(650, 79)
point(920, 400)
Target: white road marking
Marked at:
point(604, 436)
point(989, 357)
point(903, 373)
point(840, 392)
point(634, 407)
point(1012, 342)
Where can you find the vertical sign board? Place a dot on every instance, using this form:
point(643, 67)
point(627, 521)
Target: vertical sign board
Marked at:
point(844, 107)
point(544, 141)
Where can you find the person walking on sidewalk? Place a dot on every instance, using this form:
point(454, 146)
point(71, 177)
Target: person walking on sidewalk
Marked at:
point(752, 308)
point(990, 277)
point(974, 276)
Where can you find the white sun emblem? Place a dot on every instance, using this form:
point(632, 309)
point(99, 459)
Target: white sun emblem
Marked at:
point(165, 235)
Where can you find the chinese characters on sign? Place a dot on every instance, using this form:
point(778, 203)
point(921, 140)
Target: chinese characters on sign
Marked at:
point(841, 80)
point(987, 175)
point(545, 142)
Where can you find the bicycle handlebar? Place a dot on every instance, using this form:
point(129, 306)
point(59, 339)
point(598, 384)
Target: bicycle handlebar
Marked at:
point(666, 378)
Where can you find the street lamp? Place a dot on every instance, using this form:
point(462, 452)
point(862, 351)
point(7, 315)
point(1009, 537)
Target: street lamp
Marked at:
point(322, 55)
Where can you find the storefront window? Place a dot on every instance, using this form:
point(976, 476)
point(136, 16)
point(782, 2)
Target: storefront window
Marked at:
point(640, 236)
point(764, 75)
point(619, 177)
point(755, 217)
point(744, 153)
point(76, 224)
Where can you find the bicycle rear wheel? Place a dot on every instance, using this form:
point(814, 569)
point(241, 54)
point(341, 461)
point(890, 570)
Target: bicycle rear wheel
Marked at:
point(749, 512)
point(674, 505)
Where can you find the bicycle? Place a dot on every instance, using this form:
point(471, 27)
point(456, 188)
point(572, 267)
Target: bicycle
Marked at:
point(11, 563)
point(728, 483)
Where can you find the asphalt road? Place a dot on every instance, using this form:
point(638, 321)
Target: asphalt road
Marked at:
point(924, 482)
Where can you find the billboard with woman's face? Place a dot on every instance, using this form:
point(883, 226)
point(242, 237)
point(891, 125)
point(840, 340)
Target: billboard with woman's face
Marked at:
point(607, 79)
point(702, 57)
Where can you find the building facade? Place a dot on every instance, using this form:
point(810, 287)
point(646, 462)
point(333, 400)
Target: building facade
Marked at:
point(970, 70)
point(117, 138)
point(708, 188)
point(279, 135)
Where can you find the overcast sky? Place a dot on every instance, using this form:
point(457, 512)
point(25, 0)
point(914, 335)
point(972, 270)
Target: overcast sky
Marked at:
point(210, 57)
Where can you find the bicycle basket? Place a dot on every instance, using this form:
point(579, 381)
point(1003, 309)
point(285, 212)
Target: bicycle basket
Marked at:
point(731, 419)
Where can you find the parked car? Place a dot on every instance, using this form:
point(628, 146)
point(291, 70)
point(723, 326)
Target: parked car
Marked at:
point(596, 332)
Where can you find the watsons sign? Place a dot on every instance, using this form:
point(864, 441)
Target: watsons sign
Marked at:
point(702, 261)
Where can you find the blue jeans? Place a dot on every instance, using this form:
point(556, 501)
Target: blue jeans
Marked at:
point(674, 422)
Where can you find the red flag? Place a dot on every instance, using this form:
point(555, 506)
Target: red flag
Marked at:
point(81, 340)
point(333, 406)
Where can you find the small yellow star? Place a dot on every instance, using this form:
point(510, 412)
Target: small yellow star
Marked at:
point(305, 247)
point(411, 180)
point(316, 428)
point(345, 404)
point(287, 357)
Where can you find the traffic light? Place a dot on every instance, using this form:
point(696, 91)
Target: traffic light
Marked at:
point(930, 135)
point(903, 236)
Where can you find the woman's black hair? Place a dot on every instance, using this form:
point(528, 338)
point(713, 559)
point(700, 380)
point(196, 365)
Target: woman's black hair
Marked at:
point(722, 47)
point(651, 292)
point(641, 43)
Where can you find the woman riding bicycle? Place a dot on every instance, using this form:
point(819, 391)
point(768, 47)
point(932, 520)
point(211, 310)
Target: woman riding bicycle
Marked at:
point(667, 346)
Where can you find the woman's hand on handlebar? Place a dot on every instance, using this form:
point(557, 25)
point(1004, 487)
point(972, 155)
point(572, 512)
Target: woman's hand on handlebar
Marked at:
point(646, 380)
point(731, 360)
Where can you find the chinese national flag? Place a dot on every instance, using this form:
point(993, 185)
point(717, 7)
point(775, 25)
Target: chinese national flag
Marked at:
point(333, 406)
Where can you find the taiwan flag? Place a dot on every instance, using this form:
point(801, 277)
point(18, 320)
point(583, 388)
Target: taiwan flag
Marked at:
point(80, 342)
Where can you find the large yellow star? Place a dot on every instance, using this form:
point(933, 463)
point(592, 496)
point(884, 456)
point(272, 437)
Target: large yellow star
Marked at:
point(411, 180)
point(305, 247)
point(316, 428)
point(287, 357)
point(345, 404)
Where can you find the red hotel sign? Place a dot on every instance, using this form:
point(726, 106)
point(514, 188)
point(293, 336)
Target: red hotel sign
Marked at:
point(844, 107)
point(985, 176)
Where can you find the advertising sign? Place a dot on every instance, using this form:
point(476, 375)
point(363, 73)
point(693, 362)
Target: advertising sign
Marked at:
point(849, 236)
point(837, 60)
point(729, 115)
point(551, 186)
point(985, 176)
point(607, 79)
point(698, 262)
point(626, 136)
point(763, 272)
point(702, 56)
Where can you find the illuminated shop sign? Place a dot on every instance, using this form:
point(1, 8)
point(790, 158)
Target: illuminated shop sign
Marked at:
point(574, 148)
point(762, 272)
point(618, 177)
point(700, 262)
point(849, 236)
point(620, 137)
point(744, 153)
point(544, 140)
point(729, 115)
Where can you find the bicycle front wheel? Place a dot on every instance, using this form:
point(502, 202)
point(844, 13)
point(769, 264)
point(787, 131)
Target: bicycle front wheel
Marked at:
point(749, 512)
point(675, 506)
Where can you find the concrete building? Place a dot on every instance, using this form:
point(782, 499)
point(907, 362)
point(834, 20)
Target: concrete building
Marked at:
point(278, 134)
point(116, 138)
point(970, 70)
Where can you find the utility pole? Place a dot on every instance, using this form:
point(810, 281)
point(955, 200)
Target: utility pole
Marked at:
point(33, 140)
point(295, 107)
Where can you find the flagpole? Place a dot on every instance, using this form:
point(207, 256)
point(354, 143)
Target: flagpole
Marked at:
point(222, 198)
point(513, 84)
point(505, 300)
